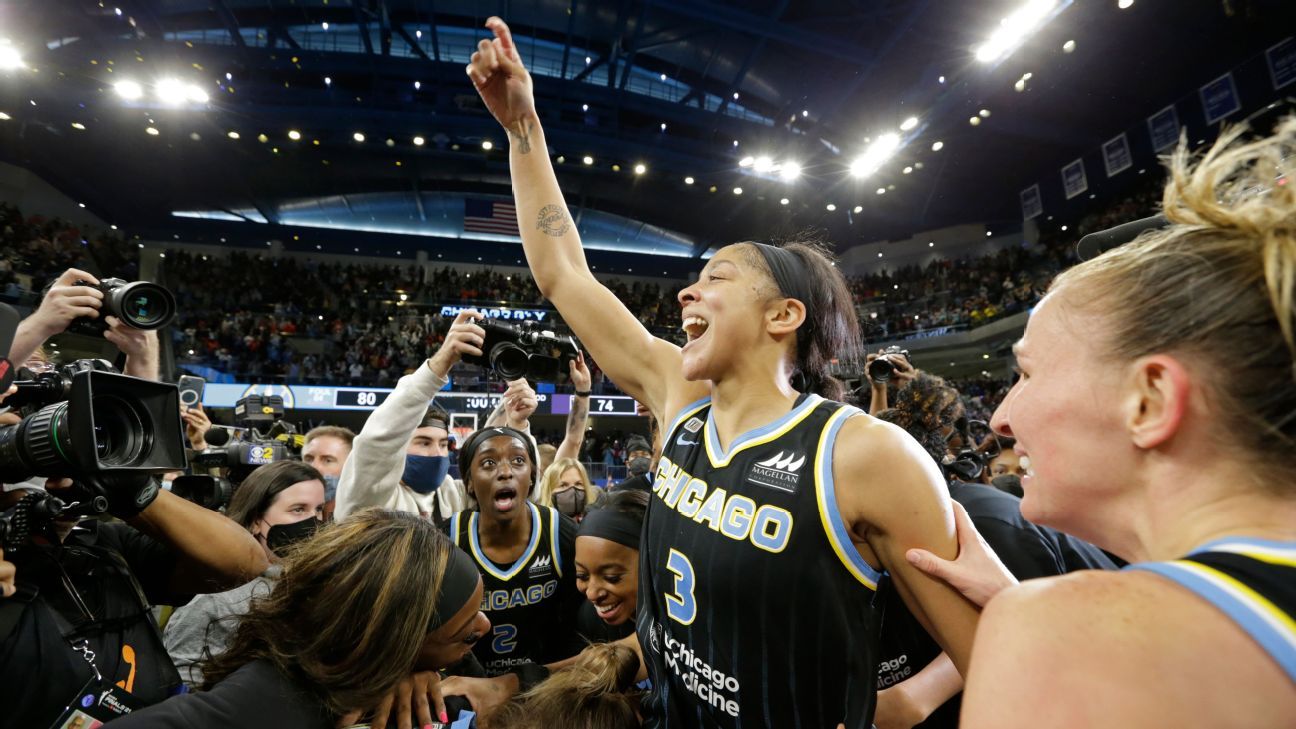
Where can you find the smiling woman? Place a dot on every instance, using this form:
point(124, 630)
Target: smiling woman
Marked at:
point(524, 552)
point(767, 495)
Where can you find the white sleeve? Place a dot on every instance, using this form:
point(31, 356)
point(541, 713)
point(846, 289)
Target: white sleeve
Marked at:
point(371, 476)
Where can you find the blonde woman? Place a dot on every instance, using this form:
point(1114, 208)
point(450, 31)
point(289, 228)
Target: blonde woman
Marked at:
point(566, 486)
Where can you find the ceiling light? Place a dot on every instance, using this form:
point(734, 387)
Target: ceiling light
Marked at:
point(1068, 46)
point(746, 161)
point(294, 135)
point(10, 58)
point(735, 142)
point(762, 164)
point(859, 208)
point(1020, 85)
point(940, 80)
point(418, 141)
point(391, 142)
point(881, 191)
point(790, 171)
point(988, 234)
point(262, 138)
point(328, 81)
point(4, 116)
point(663, 126)
point(418, 34)
point(151, 131)
point(974, 121)
point(663, 77)
point(784, 201)
point(1013, 30)
point(907, 170)
point(831, 207)
point(876, 155)
point(938, 146)
point(196, 94)
point(418, 85)
point(584, 107)
point(129, 90)
point(931, 244)
point(1124, 4)
point(909, 123)
point(171, 91)
point(735, 96)
point(1064, 229)
point(360, 137)
point(688, 180)
point(324, 25)
point(232, 134)
point(984, 113)
point(588, 60)
point(737, 190)
point(879, 254)
point(805, 113)
point(78, 126)
point(616, 168)
point(640, 168)
point(587, 160)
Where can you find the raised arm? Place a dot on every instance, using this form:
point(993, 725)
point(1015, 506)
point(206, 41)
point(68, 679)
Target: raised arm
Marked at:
point(642, 365)
point(578, 416)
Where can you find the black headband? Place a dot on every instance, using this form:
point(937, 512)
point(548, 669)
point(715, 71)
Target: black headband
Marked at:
point(457, 587)
point(475, 440)
point(616, 526)
point(791, 276)
point(435, 423)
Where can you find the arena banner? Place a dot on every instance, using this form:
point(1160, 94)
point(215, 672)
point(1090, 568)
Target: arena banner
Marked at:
point(1163, 127)
point(1074, 181)
point(1219, 98)
point(1116, 155)
point(1031, 204)
point(450, 311)
point(1282, 63)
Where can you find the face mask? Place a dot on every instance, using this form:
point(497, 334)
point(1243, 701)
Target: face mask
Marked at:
point(330, 487)
point(570, 502)
point(282, 536)
point(424, 474)
point(1009, 482)
point(639, 466)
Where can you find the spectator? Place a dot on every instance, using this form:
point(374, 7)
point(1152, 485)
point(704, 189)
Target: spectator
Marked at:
point(327, 449)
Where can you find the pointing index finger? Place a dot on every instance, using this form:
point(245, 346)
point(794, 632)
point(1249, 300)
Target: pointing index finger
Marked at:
point(502, 32)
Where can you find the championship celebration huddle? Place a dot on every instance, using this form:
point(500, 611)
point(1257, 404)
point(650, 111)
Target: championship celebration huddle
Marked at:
point(445, 451)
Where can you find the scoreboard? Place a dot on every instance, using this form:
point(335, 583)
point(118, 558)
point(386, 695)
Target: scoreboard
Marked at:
point(310, 397)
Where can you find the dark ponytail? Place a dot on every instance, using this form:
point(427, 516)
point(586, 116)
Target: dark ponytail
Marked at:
point(831, 329)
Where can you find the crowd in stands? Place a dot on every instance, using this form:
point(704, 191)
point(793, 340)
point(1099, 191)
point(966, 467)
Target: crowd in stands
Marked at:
point(301, 320)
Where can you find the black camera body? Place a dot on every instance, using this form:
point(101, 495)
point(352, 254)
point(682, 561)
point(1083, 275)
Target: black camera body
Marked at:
point(88, 423)
point(139, 304)
point(881, 369)
point(524, 351)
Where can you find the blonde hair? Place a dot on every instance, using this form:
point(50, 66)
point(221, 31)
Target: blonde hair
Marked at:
point(553, 474)
point(1217, 286)
point(595, 692)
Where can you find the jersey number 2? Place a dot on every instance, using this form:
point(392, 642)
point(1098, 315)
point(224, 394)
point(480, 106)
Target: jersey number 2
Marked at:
point(681, 606)
point(505, 640)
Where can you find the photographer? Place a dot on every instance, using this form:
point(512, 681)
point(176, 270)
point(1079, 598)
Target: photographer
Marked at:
point(79, 621)
point(74, 296)
point(418, 483)
point(888, 366)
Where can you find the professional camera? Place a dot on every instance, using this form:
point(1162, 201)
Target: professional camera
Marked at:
point(242, 452)
point(86, 422)
point(979, 447)
point(881, 369)
point(140, 305)
point(524, 351)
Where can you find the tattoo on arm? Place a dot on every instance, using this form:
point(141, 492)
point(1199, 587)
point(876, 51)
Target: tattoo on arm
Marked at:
point(521, 136)
point(553, 221)
point(578, 416)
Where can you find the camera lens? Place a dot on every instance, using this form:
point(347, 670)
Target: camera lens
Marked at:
point(880, 370)
point(143, 305)
point(119, 432)
point(509, 360)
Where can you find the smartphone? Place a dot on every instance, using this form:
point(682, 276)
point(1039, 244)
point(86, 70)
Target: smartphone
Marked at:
point(191, 390)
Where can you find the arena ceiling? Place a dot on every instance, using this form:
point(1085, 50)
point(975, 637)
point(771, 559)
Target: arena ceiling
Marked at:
point(669, 84)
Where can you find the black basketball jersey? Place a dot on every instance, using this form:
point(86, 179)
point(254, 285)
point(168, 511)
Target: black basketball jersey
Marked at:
point(531, 603)
point(755, 609)
point(1253, 581)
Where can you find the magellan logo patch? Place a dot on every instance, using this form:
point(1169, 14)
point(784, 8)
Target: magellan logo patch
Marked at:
point(779, 472)
point(542, 564)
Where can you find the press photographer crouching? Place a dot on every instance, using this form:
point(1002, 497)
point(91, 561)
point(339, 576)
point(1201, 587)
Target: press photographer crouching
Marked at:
point(78, 634)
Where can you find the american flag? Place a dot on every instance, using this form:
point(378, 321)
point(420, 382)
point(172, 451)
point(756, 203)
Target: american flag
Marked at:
point(486, 216)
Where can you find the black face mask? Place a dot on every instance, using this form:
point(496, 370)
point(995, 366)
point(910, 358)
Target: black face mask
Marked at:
point(282, 537)
point(570, 502)
point(1009, 482)
point(639, 466)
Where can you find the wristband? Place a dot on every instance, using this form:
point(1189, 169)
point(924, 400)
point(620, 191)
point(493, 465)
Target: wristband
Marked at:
point(582, 394)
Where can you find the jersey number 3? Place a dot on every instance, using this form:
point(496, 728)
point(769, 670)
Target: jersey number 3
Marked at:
point(681, 606)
